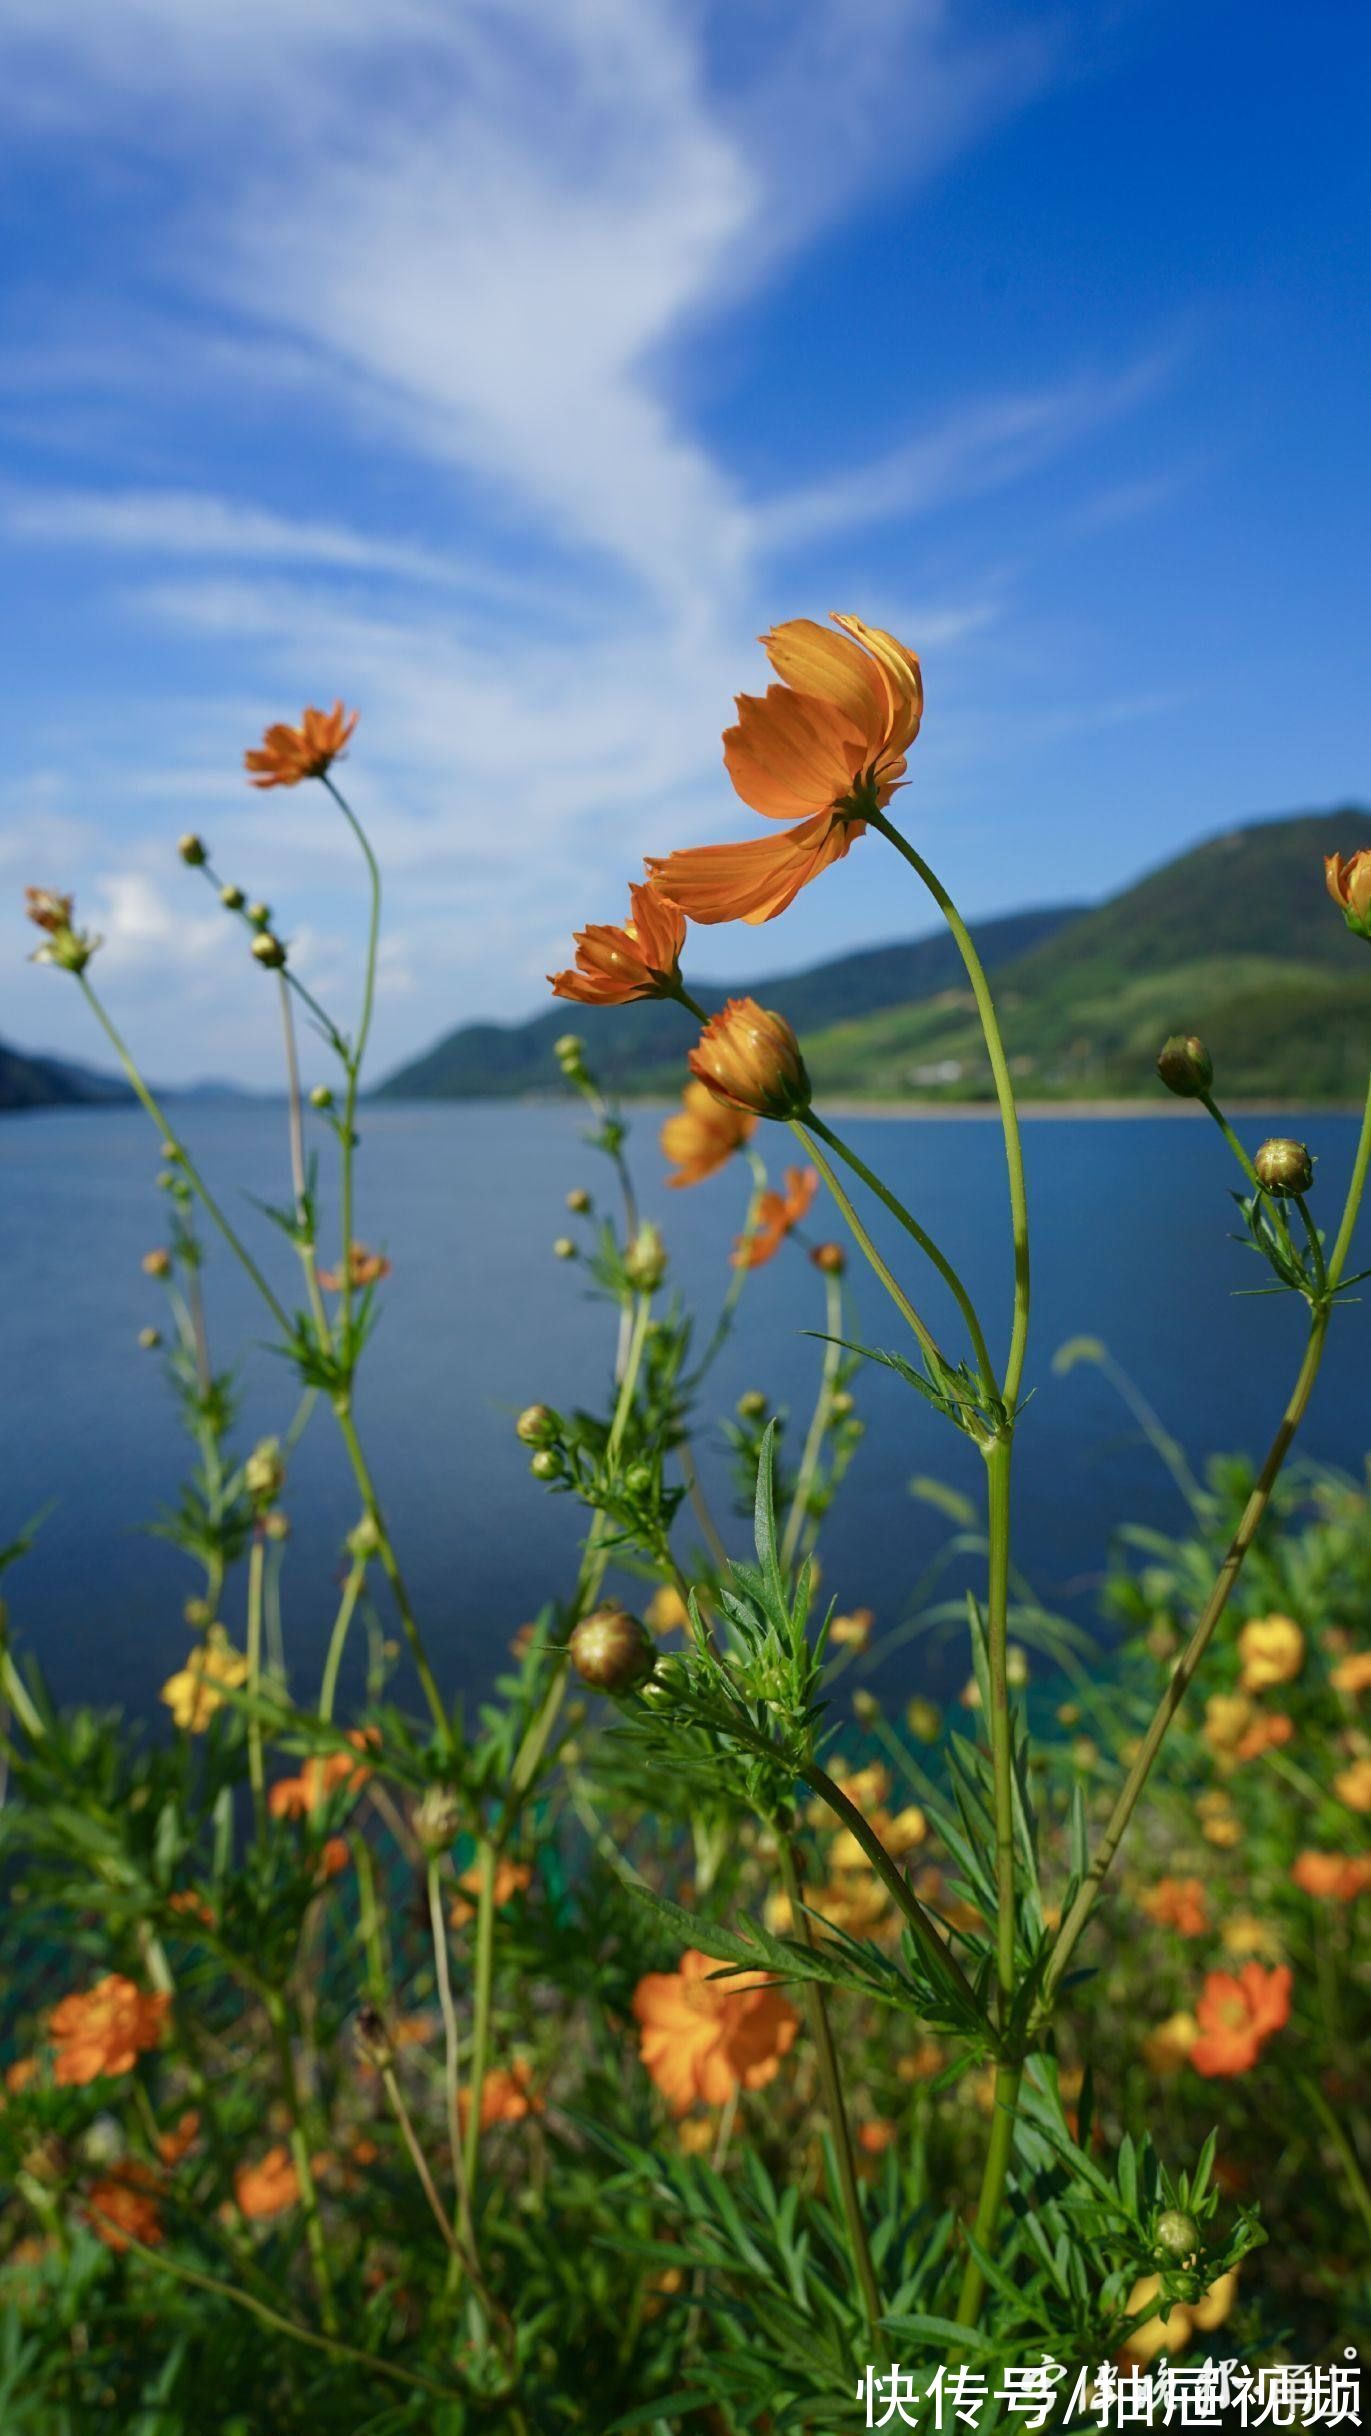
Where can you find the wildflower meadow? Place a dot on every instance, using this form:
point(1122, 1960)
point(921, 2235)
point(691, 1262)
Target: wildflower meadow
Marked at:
point(691, 2033)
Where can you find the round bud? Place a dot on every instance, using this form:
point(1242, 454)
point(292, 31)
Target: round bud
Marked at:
point(537, 1425)
point(321, 1096)
point(612, 1651)
point(437, 1818)
point(1178, 2235)
point(149, 1339)
point(569, 1049)
point(157, 1263)
point(1186, 1066)
point(269, 950)
point(578, 1200)
point(752, 1405)
point(192, 849)
point(830, 1258)
point(231, 898)
point(564, 1248)
point(170, 1152)
point(1016, 1667)
point(275, 1524)
point(363, 1540)
point(866, 1708)
point(264, 1473)
point(842, 1404)
point(645, 1259)
point(198, 1614)
point(546, 1465)
point(165, 1180)
point(1284, 1167)
point(923, 1719)
point(638, 1479)
point(259, 915)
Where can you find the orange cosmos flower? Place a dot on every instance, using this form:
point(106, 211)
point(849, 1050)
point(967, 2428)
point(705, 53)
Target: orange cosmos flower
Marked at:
point(104, 2030)
point(776, 1215)
point(506, 2097)
point(749, 1058)
point(364, 1269)
point(1353, 1674)
point(1237, 2016)
point(123, 2207)
point(640, 960)
point(177, 2143)
point(511, 1878)
point(826, 746)
point(288, 754)
point(1349, 885)
point(192, 1906)
point(1332, 1876)
point(703, 1134)
point(297, 1797)
point(269, 2187)
point(1178, 1903)
point(1353, 1785)
point(1265, 1734)
point(702, 2038)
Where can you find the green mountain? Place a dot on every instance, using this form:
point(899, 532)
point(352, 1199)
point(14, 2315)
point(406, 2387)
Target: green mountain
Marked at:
point(640, 1048)
point(1235, 940)
point(28, 1081)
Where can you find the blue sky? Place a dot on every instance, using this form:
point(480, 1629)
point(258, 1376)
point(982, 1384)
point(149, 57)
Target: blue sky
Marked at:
point(505, 368)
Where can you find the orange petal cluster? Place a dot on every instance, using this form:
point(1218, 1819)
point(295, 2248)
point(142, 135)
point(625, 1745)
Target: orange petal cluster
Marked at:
point(640, 959)
point(511, 1878)
point(1332, 1876)
point(177, 2143)
point(298, 1797)
point(364, 1269)
point(824, 749)
point(507, 2095)
point(1236, 2016)
point(123, 2207)
point(748, 1057)
point(104, 2030)
point(269, 2187)
point(1178, 1903)
point(1352, 1674)
point(288, 754)
point(1349, 885)
point(777, 1214)
point(703, 1134)
point(702, 2038)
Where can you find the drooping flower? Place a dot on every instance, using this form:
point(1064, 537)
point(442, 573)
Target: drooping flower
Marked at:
point(1237, 2015)
point(1178, 1903)
point(286, 755)
point(1332, 1876)
point(749, 1057)
point(103, 2030)
point(269, 2187)
point(639, 959)
point(825, 749)
point(364, 1269)
point(775, 1217)
point(703, 1134)
point(701, 2038)
point(1348, 878)
point(195, 1692)
point(123, 2207)
point(1272, 1651)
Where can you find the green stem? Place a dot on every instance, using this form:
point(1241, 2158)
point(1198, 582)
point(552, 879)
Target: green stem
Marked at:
point(823, 1407)
point(184, 1159)
point(352, 1062)
point(993, 2181)
point(390, 1565)
point(925, 1243)
point(830, 2083)
point(1337, 1259)
point(462, 2218)
point(927, 1342)
point(352, 1591)
point(480, 2028)
point(256, 1770)
point(315, 2240)
point(296, 1122)
point(1004, 1093)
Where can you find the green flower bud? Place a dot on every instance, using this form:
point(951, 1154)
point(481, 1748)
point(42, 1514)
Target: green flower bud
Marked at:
point(269, 950)
point(752, 1406)
point(264, 1473)
point(564, 1248)
point(1186, 1066)
point(231, 898)
point(645, 1259)
point(1178, 2235)
point(192, 850)
point(578, 1200)
point(321, 1096)
point(638, 1479)
point(546, 1465)
point(923, 1718)
point(537, 1425)
point(1284, 1167)
point(149, 1339)
point(612, 1651)
point(259, 915)
point(437, 1818)
point(363, 1540)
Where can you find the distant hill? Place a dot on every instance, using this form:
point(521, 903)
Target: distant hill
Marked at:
point(1234, 939)
point(640, 1048)
point(29, 1081)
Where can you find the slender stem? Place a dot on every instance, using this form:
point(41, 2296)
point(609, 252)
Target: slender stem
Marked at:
point(823, 1408)
point(895, 1882)
point(296, 1122)
point(1072, 1926)
point(480, 2027)
point(830, 2083)
point(352, 1591)
point(925, 1243)
point(685, 1456)
point(1337, 1258)
point(184, 1159)
point(391, 1566)
point(451, 2046)
point(996, 2175)
point(299, 2149)
point(1004, 1093)
point(417, 2158)
point(256, 1770)
point(927, 1342)
point(1273, 1208)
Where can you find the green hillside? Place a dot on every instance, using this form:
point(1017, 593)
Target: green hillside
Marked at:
point(27, 1081)
point(1235, 939)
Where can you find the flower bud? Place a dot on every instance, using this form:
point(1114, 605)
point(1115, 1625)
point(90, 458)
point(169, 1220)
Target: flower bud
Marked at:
point(364, 1539)
point(1186, 1066)
point(275, 1524)
point(1349, 885)
point(638, 1479)
point(269, 950)
point(170, 1152)
point(192, 850)
point(198, 1614)
point(1015, 1667)
point(157, 1263)
point(842, 1404)
point(1177, 2233)
point(612, 1651)
point(264, 1473)
point(371, 2039)
point(537, 1425)
point(748, 1057)
point(923, 1719)
point(149, 1339)
point(830, 1258)
point(569, 1050)
point(645, 1259)
point(231, 898)
point(752, 1405)
point(259, 915)
point(321, 1096)
point(1284, 1167)
point(578, 1200)
point(564, 1248)
point(437, 1818)
point(866, 1708)
point(546, 1465)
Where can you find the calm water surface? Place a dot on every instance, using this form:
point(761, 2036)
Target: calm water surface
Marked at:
point(1131, 1228)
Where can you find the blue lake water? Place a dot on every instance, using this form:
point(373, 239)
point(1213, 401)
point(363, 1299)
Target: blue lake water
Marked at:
point(1132, 1244)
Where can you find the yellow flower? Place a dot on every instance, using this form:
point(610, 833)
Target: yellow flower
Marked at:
point(1245, 1934)
point(1172, 2332)
point(852, 1631)
point(1227, 1716)
point(1353, 1674)
point(1272, 1651)
point(1353, 1785)
point(666, 1611)
point(1165, 2049)
point(194, 1694)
